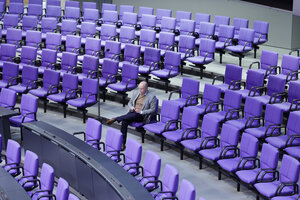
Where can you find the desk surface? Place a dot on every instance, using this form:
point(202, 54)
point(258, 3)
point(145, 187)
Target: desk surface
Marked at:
point(4, 112)
point(123, 183)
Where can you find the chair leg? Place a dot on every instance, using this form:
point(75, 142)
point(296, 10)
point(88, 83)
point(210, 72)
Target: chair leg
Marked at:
point(181, 68)
point(257, 197)
point(162, 145)
point(123, 98)
point(221, 57)
point(21, 134)
point(240, 61)
point(181, 153)
point(143, 137)
point(219, 174)
point(167, 86)
point(84, 115)
point(201, 73)
point(200, 162)
point(65, 110)
point(45, 106)
point(238, 186)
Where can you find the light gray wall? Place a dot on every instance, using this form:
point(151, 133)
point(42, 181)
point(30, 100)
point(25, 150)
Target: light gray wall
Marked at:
point(281, 22)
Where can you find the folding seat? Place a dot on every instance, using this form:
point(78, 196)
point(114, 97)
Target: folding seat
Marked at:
point(33, 39)
point(68, 91)
point(108, 17)
point(89, 91)
point(274, 90)
point(168, 184)
point(12, 158)
point(53, 41)
point(188, 128)
point(224, 39)
point(206, 30)
point(46, 182)
point(171, 68)
point(90, 15)
point(150, 170)
point(50, 86)
point(35, 10)
point(261, 29)
point(182, 15)
point(147, 39)
point(48, 24)
point(224, 148)
point(53, 12)
point(48, 60)
point(239, 23)
point(16, 9)
point(112, 50)
point(268, 62)
point(233, 75)
point(72, 13)
point(126, 36)
point(201, 17)
point(108, 32)
point(88, 29)
point(167, 25)
point(128, 81)
point(289, 67)
point(93, 132)
point(7, 98)
point(68, 63)
point(68, 27)
point(74, 4)
point(151, 61)
point(144, 11)
point(206, 55)
point(166, 42)
point(291, 136)
point(265, 169)
point(73, 45)
point(220, 20)
point(286, 183)
point(148, 22)
point(113, 144)
point(9, 21)
point(28, 56)
point(254, 80)
point(89, 68)
point(92, 47)
point(14, 36)
point(243, 159)
point(29, 171)
point(29, 76)
point(161, 13)
point(28, 112)
point(129, 19)
point(187, 27)
point(132, 157)
point(168, 119)
point(132, 55)
point(125, 8)
point(62, 191)
point(293, 97)
point(29, 23)
point(188, 94)
point(10, 75)
point(8, 53)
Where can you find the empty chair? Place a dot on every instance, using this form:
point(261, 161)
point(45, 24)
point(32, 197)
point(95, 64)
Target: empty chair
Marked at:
point(187, 27)
point(72, 13)
point(128, 81)
point(186, 48)
point(201, 17)
point(160, 13)
point(233, 74)
point(129, 19)
point(35, 10)
point(53, 3)
point(50, 86)
point(167, 25)
point(48, 60)
point(108, 17)
point(29, 171)
point(7, 98)
point(9, 21)
point(225, 37)
point(74, 4)
point(29, 76)
point(92, 134)
point(148, 22)
point(147, 39)
point(73, 45)
point(53, 12)
point(169, 183)
point(53, 41)
point(126, 36)
point(48, 24)
point(108, 32)
point(28, 56)
point(125, 8)
point(62, 190)
point(16, 8)
point(88, 98)
point(35, 2)
point(88, 29)
point(206, 55)
point(29, 23)
point(112, 50)
point(220, 20)
point(289, 68)
point(68, 63)
point(89, 67)
point(188, 95)
point(113, 144)
point(243, 158)
point(89, 5)
point(12, 158)
point(90, 15)
point(286, 184)
point(268, 62)
point(166, 42)
point(9, 74)
point(225, 147)
point(92, 47)
point(132, 156)
point(14, 36)
point(68, 27)
point(8, 53)
point(151, 61)
point(239, 23)
point(182, 15)
point(261, 29)
point(132, 55)
point(143, 11)
point(206, 30)
point(108, 75)
point(108, 7)
point(171, 68)
point(33, 39)
point(68, 91)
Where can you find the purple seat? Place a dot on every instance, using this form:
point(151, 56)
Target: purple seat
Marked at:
point(254, 80)
point(48, 24)
point(129, 19)
point(108, 7)
point(265, 170)
point(147, 39)
point(35, 10)
point(89, 15)
point(245, 44)
point(89, 5)
point(167, 25)
point(108, 32)
point(271, 123)
point(68, 91)
point(166, 42)
point(293, 151)
point(186, 48)
point(10, 75)
point(92, 47)
point(50, 86)
point(126, 36)
point(201, 17)
point(144, 10)
point(46, 182)
point(14, 36)
point(113, 144)
point(132, 156)
point(33, 39)
point(89, 67)
point(182, 15)
point(28, 56)
point(108, 75)
point(147, 22)
point(88, 30)
point(151, 61)
point(243, 159)
point(169, 183)
point(233, 74)
point(220, 20)
point(54, 12)
point(187, 191)
point(112, 50)
point(9, 21)
point(294, 197)
point(239, 23)
point(206, 55)
point(62, 191)
point(73, 45)
point(108, 17)
point(225, 147)
point(29, 23)
point(53, 3)
point(35, 2)
point(68, 27)
point(7, 98)
point(29, 76)
point(48, 60)
point(68, 63)
point(225, 37)
point(7, 53)
point(72, 13)
point(12, 158)
point(268, 62)
point(287, 182)
point(261, 30)
point(161, 13)
point(16, 8)
point(291, 136)
point(53, 41)
point(131, 55)
point(209, 101)
point(289, 68)
point(74, 4)
point(125, 8)
point(206, 30)
point(171, 68)
point(72, 196)
point(29, 171)
point(150, 170)
point(92, 134)
point(187, 27)
point(188, 94)
point(88, 98)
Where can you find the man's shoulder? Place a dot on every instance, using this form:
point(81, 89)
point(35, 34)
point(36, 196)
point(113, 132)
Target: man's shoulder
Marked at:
point(150, 94)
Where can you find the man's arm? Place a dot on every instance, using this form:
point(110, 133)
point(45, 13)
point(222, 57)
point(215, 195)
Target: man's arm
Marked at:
point(152, 108)
point(131, 101)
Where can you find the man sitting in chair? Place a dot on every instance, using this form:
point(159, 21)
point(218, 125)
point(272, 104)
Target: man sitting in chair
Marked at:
point(142, 104)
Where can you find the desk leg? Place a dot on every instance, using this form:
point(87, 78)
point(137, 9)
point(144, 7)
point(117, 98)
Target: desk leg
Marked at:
point(5, 130)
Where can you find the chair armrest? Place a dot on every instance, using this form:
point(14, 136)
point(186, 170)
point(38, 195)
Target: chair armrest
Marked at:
point(48, 195)
point(264, 172)
point(231, 112)
point(244, 160)
point(175, 91)
point(169, 123)
point(205, 141)
point(218, 77)
point(250, 121)
point(80, 133)
point(87, 97)
point(282, 185)
point(30, 113)
point(170, 70)
point(128, 81)
point(290, 140)
point(275, 96)
point(189, 100)
point(210, 105)
point(228, 148)
point(274, 127)
point(187, 131)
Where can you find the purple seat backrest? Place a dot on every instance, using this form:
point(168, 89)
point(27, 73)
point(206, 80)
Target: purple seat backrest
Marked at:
point(169, 111)
point(172, 59)
point(130, 71)
point(89, 86)
point(93, 131)
point(35, 2)
point(248, 146)
point(29, 23)
point(268, 58)
point(166, 40)
point(109, 67)
point(35, 10)
point(131, 52)
point(7, 51)
point(201, 17)
point(147, 38)
point(33, 38)
point(211, 93)
point(90, 14)
point(269, 157)
point(187, 190)
point(151, 55)
point(207, 48)
point(273, 115)
point(110, 17)
point(239, 23)
point(48, 24)
point(232, 100)
point(15, 8)
point(89, 63)
point(233, 73)
point(148, 21)
point(48, 57)
point(47, 177)
point(9, 70)
point(108, 31)
point(189, 87)
point(13, 152)
point(133, 151)
point(152, 164)
point(72, 43)
point(125, 8)
point(62, 190)
point(29, 74)
point(182, 15)
point(221, 20)
point(293, 92)
point(168, 24)
point(293, 124)
point(246, 36)
point(129, 19)
point(8, 97)
point(50, 78)
point(253, 107)
point(145, 10)
point(109, 7)
point(190, 119)
point(289, 170)
point(187, 27)
point(10, 20)
point(53, 40)
point(92, 45)
point(206, 29)
point(112, 48)
point(70, 82)
point(209, 128)
point(127, 34)
point(75, 4)
point(72, 13)
point(113, 140)
point(28, 54)
point(225, 33)
point(160, 13)
point(13, 35)
point(88, 29)
point(68, 26)
point(53, 3)
point(29, 104)
point(275, 84)
point(289, 63)
point(68, 60)
point(229, 136)
point(53, 11)
point(90, 5)
point(31, 164)
point(170, 179)
point(254, 79)
point(261, 29)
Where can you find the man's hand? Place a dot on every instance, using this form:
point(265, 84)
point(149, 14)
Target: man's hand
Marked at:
point(132, 109)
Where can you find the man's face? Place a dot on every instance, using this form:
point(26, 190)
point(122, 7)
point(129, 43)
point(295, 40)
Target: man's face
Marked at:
point(142, 89)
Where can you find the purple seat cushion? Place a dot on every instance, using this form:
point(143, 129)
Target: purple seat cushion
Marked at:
point(143, 181)
point(285, 106)
point(239, 48)
point(231, 164)
point(200, 60)
point(249, 176)
point(293, 151)
point(176, 135)
point(40, 92)
point(239, 123)
point(278, 142)
point(60, 97)
point(16, 120)
point(80, 102)
point(164, 73)
point(269, 189)
point(156, 128)
point(193, 144)
point(3, 84)
point(121, 86)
